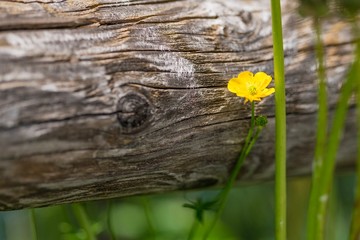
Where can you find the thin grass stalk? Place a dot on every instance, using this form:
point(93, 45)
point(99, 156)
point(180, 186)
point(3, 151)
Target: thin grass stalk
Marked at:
point(280, 123)
point(321, 135)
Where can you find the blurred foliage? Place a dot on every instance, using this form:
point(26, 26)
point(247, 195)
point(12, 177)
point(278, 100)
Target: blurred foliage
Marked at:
point(349, 7)
point(323, 8)
point(248, 215)
point(315, 8)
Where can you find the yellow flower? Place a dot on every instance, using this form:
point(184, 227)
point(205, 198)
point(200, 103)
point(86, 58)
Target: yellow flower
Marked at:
point(251, 87)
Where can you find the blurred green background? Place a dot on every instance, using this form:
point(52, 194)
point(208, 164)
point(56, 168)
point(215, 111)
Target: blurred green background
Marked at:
point(249, 215)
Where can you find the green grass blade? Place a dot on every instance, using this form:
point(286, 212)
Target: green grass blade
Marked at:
point(321, 135)
point(355, 223)
point(327, 172)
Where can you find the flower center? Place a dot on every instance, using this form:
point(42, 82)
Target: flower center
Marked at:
point(252, 90)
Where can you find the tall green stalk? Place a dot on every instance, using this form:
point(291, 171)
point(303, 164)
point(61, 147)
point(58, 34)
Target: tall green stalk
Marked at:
point(355, 223)
point(280, 123)
point(327, 171)
point(322, 123)
point(332, 148)
point(83, 220)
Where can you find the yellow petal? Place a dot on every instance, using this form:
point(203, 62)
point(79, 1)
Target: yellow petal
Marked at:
point(246, 78)
point(256, 98)
point(245, 75)
point(262, 80)
point(242, 94)
point(233, 85)
point(236, 85)
point(270, 91)
point(250, 98)
point(267, 91)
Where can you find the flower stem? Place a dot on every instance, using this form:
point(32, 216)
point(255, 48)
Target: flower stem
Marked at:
point(83, 220)
point(320, 137)
point(280, 123)
point(253, 140)
point(33, 224)
point(223, 195)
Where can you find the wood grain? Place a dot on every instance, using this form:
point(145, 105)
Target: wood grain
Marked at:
point(102, 99)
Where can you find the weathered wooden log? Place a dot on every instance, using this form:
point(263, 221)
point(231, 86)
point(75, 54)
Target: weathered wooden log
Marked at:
point(101, 99)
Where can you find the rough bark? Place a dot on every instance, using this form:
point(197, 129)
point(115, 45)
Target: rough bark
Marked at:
point(101, 99)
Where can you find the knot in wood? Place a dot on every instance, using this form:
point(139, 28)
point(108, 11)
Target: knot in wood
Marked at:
point(133, 112)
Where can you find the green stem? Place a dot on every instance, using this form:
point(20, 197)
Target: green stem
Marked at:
point(108, 220)
point(253, 141)
point(225, 192)
point(83, 220)
point(147, 211)
point(330, 156)
point(320, 137)
point(280, 123)
point(33, 224)
point(327, 172)
point(355, 223)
